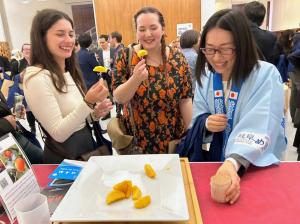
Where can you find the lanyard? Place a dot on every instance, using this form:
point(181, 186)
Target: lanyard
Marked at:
point(220, 108)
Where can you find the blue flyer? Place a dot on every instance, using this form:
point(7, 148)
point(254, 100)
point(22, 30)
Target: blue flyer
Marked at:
point(66, 172)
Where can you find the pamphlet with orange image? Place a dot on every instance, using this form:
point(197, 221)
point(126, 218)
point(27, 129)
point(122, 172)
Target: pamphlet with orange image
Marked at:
point(17, 179)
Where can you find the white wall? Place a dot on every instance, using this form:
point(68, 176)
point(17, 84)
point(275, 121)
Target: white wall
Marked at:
point(2, 36)
point(19, 17)
point(286, 14)
point(2, 16)
point(223, 4)
point(207, 9)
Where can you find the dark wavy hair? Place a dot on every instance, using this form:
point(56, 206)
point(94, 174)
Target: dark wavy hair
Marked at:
point(42, 57)
point(236, 23)
point(161, 20)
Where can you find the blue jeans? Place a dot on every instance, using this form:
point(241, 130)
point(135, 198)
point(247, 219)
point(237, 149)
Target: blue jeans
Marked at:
point(33, 153)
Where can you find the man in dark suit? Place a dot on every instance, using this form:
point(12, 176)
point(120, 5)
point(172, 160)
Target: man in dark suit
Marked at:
point(265, 40)
point(18, 66)
point(105, 55)
point(8, 124)
point(87, 60)
point(116, 42)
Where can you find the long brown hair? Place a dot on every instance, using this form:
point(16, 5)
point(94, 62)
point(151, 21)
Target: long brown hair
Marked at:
point(42, 57)
point(161, 20)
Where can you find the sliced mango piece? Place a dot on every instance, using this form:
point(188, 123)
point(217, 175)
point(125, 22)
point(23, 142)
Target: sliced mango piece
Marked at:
point(149, 171)
point(124, 186)
point(136, 193)
point(129, 189)
point(142, 53)
point(100, 69)
point(114, 196)
point(142, 202)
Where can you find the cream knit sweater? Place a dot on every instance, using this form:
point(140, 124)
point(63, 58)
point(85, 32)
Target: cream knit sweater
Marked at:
point(61, 114)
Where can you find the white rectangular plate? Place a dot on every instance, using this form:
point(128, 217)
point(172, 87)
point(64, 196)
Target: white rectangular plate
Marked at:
point(85, 201)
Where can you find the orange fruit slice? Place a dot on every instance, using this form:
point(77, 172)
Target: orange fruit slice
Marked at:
point(142, 53)
point(114, 196)
point(149, 171)
point(136, 193)
point(100, 69)
point(142, 202)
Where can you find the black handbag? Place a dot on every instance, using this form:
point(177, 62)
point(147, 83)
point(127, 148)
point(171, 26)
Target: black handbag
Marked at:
point(103, 145)
point(80, 145)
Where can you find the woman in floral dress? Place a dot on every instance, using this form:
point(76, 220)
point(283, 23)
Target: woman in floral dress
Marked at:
point(158, 87)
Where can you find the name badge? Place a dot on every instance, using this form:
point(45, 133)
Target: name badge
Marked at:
point(254, 140)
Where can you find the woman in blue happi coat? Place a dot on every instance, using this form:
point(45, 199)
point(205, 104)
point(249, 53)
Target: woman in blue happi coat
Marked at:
point(240, 97)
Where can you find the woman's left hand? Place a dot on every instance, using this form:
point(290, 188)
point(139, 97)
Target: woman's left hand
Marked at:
point(233, 192)
point(102, 108)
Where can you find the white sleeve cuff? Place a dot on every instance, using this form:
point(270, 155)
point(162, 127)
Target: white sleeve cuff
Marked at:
point(206, 123)
point(236, 164)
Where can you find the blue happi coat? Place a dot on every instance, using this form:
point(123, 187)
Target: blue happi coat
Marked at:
point(258, 125)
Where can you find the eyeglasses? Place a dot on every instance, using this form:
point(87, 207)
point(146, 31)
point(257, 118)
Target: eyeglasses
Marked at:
point(213, 51)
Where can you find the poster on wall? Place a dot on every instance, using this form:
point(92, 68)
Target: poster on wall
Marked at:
point(181, 27)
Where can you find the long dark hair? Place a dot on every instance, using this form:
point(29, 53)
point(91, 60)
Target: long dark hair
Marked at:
point(153, 10)
point(245, 48)
point(42, 57)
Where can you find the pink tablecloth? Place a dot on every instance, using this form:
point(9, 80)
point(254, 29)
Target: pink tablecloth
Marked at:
point(42, 172)
point(268, 195)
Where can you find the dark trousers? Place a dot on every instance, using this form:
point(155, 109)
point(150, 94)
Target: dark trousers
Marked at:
point(108, 79)
point(295, 88)
point(296, 142)
point(30, 119)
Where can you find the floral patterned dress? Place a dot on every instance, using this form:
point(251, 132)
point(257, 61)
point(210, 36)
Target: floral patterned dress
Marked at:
point(155, 105)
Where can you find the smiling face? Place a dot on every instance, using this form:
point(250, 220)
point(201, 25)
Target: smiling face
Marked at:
point(220, 39)
point(149, 30)
point(60, 40)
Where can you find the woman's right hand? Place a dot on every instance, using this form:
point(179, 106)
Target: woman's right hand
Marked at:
point(140, 71)
point(216, 122)
point(233, 192)
point(102, 108)
point(97, 93)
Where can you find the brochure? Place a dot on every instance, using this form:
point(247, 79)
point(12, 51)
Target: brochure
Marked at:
point(17, 179)
point(63, 177)
point(66, 172)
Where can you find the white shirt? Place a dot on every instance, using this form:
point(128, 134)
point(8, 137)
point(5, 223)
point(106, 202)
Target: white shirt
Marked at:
point(106, 58)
